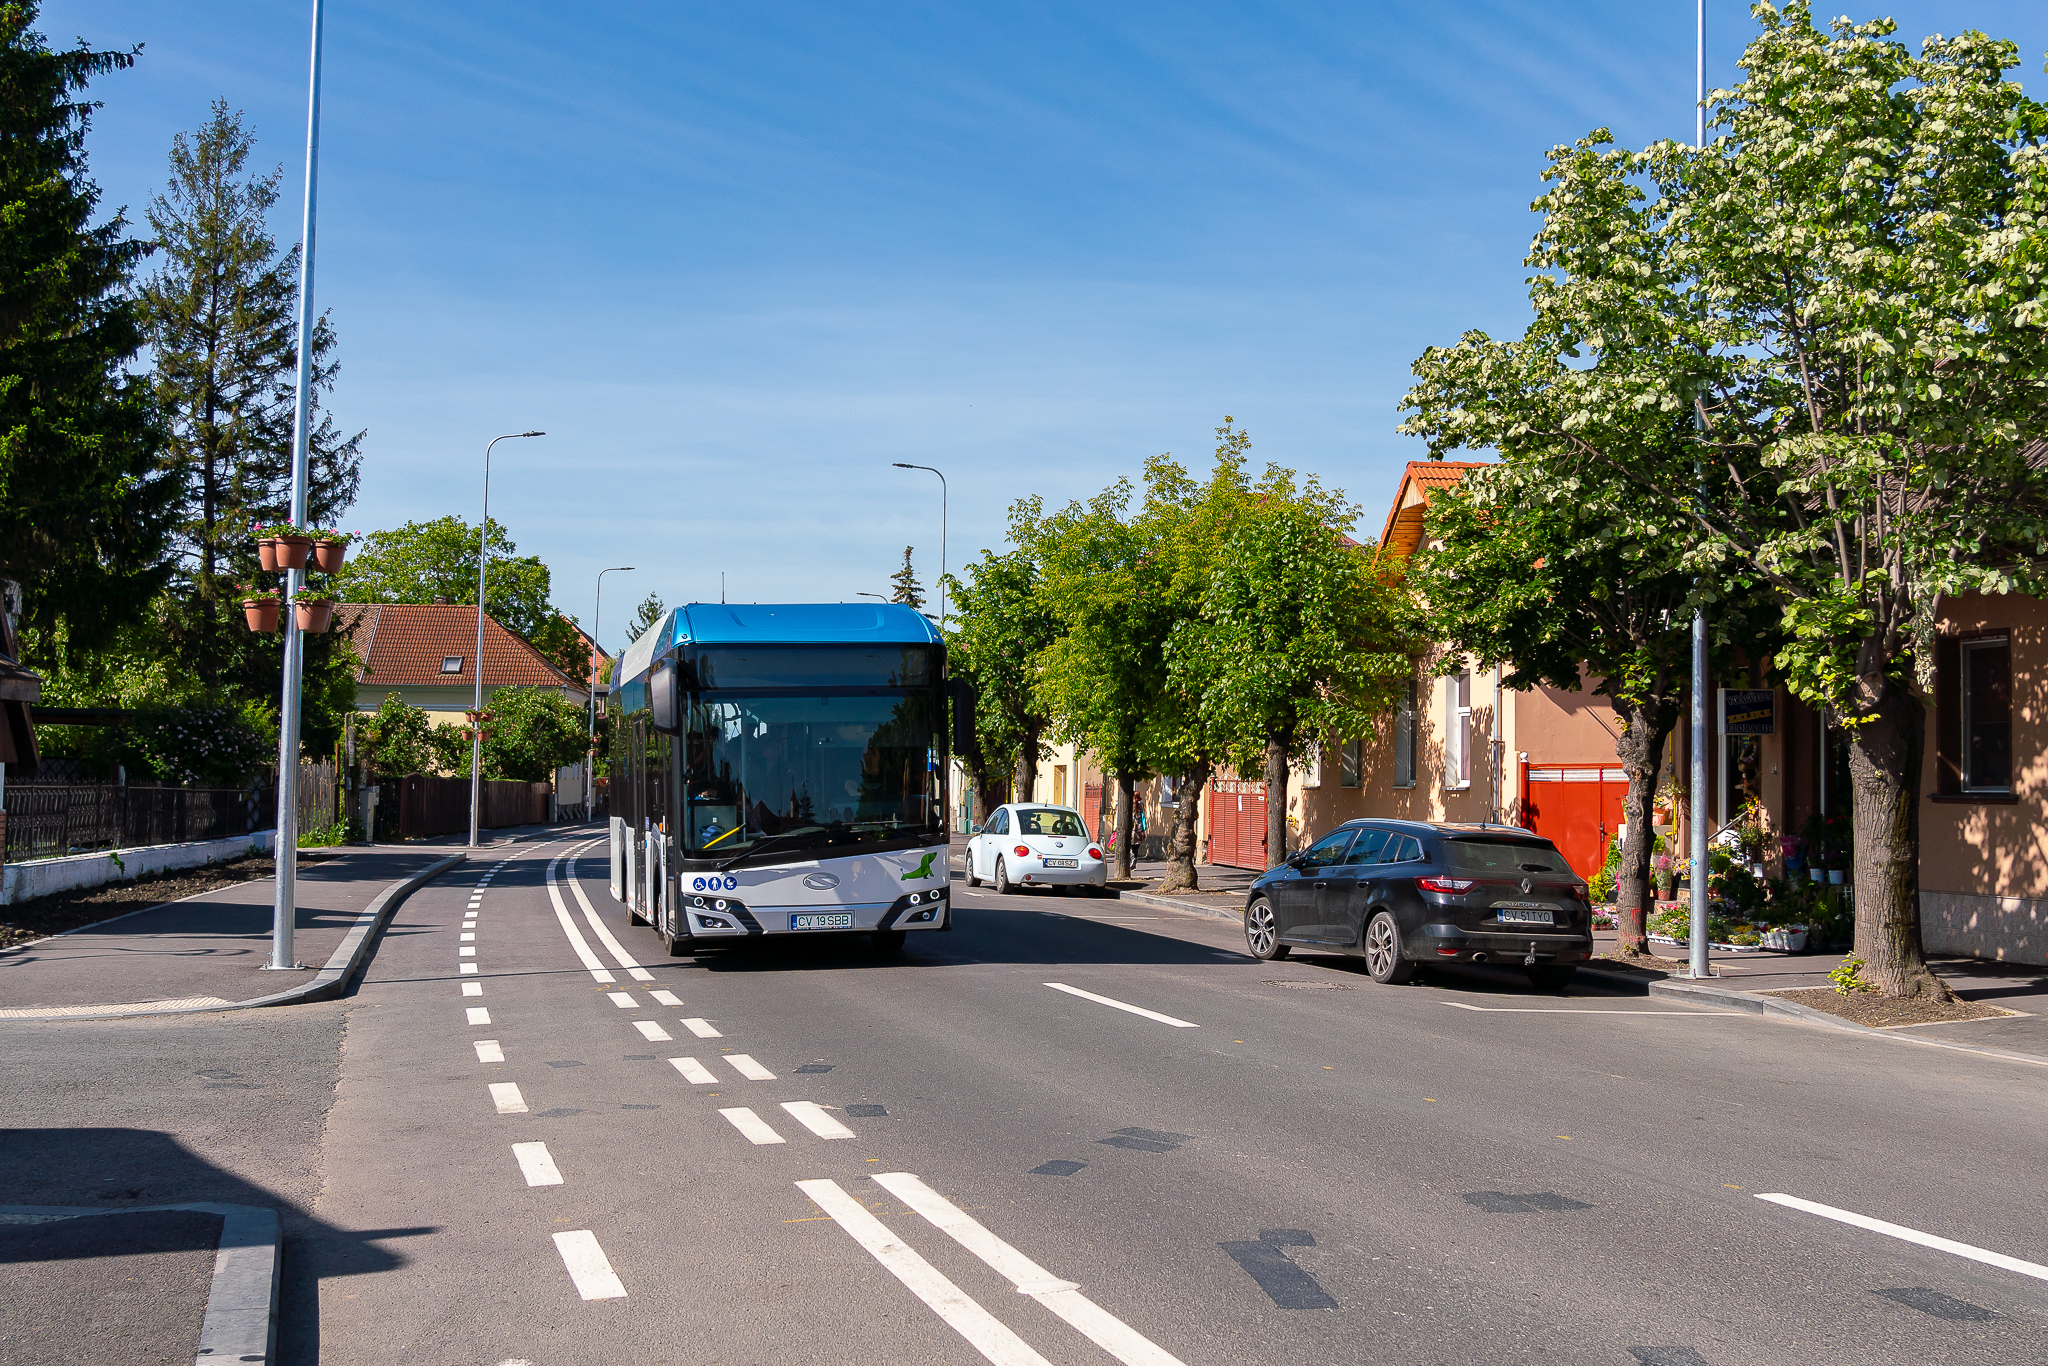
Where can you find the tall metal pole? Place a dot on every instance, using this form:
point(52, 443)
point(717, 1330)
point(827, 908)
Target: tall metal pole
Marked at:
point(483, 564)
point(596, 620)
point(942, 537)
point(1697, 964)
point(284, 910)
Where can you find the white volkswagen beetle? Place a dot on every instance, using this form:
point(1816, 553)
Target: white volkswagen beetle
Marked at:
point(1029, 844)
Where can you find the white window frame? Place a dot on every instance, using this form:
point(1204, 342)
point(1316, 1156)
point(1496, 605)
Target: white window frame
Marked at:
point(1404, 736)
point(1458, 731)
point(1351, 755)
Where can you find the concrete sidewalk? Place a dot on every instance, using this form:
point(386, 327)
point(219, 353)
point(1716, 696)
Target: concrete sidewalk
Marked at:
point(210, 950)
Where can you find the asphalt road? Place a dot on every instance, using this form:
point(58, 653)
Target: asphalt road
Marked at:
point(1327, 1171)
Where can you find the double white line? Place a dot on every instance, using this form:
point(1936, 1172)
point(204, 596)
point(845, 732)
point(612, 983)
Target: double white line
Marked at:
point(983, 1331)
point(591, 961)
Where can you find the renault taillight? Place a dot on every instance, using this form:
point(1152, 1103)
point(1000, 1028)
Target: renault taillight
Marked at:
point(1446, 884)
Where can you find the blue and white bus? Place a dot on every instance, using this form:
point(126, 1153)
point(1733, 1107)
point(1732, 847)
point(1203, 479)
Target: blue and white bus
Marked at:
point(779, 770)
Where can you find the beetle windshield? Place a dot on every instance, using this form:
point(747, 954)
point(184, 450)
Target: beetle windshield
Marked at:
point(1060, 824)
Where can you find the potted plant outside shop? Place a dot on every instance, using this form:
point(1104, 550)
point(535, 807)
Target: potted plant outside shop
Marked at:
point(314, 609)
point(330, 548)
point(259, 607)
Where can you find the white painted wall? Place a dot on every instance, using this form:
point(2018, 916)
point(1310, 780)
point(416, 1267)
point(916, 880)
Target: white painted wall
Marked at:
point(41, 877)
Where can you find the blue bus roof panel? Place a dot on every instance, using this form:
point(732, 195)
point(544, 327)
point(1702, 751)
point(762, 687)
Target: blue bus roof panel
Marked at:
point(804, 623)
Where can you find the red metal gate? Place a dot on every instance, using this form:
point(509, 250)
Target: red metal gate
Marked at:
point(1577, 809)
point(1237, 824)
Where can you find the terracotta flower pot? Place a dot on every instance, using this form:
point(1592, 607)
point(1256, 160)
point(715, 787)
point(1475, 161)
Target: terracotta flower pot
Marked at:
point(261, 613)
point(315, 618)
point(328, 555)
point(266, 554)
point(292, 551)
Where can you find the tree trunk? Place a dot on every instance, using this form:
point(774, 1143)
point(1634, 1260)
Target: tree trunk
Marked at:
point(1884, 812)
point(1645, 727)
point(990, 792)
point(1120, 861)
point(1027, 764)
point(1180, 836)
point(1277, 744)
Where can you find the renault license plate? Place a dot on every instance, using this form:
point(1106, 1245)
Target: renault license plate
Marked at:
point(1524, 915)
point(1062, 863)
point(837, 920)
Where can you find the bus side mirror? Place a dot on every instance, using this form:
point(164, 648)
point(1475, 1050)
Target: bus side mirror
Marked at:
point(664, 700)
point(961, 691)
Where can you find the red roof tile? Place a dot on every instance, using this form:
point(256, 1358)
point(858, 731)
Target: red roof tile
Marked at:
point(1404, 523)
point(402, 645)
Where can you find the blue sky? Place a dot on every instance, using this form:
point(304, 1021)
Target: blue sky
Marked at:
point(736, 258)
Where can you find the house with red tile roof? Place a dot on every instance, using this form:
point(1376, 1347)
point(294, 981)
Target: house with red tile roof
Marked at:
point(426, 653)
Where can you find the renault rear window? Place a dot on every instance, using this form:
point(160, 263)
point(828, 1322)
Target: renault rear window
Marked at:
point(1503, 856)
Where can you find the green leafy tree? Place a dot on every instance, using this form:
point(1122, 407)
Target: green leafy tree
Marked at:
point(85, 514)
point(1100, 677)
point(647, 615)
point(436, 562)
point(1301, 638)
point(904, 585)
point(1569, 578)
point(531, 733)
point(221, 313)
point(399, 740)
point(1002, 621)
point(1845, 288)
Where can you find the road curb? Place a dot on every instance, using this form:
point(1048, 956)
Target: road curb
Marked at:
point(241, 1301)
point(1235, 916)
point(333, 979)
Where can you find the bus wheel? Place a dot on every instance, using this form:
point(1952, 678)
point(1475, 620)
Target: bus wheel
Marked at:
point(887, 941)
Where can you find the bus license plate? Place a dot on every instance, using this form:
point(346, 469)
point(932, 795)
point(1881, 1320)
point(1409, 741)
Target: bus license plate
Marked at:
point(1523, 915)
point(1062, 863)
point(840, 920)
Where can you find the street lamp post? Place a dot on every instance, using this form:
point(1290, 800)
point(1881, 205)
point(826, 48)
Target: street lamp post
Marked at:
point(476, 725)
point(284, 909)
point(1696, 947)
point(596, 619)
point(942, 538)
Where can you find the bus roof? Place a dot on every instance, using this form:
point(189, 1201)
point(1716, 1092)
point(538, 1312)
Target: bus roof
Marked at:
point(766, 623)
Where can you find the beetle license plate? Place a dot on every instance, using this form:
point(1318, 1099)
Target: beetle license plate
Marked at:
point(839, 920)
point(1524, 914)
point(1062, 863)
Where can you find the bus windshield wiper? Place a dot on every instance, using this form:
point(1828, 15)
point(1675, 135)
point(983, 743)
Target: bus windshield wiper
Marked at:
point(771, 841)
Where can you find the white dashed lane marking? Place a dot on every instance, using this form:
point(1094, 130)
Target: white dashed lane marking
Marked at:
point(466, 967)
point(467, 938)
point(652, 1032)
point(694, 1072)
point(536, 1165)
point(472, 988)
point(813, 1117)
point(487, 1050)
point(752, 1125)
point(748, 1068)
point(478, 1015)
point(702, 1029)
point(1911, 1235)
point(1123, 1005)
point(588, 1266)
point(623, 1000)
point(505, 1095)
point(666, 998)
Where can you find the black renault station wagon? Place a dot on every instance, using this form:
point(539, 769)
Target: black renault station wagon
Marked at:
point(1405, 893)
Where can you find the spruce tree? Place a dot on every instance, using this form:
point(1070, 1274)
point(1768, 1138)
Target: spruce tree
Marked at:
point(908, 590)
point(84, 512)
point(221, 313)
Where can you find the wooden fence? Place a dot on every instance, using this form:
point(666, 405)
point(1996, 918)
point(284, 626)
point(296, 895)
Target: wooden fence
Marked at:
point(440, 806)
point(45, 820)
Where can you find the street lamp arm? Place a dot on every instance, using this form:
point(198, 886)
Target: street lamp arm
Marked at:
point(483, 564)
point(944, 494)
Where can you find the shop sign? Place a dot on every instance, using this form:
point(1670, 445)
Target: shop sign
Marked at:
point(1748, 711)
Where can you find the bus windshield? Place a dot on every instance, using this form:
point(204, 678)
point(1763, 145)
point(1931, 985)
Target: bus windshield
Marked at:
point(808, 770)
